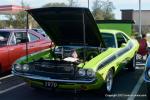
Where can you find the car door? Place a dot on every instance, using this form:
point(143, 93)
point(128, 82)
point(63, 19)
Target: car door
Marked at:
point(34, 43)
point(23, 43)
point(4, 52)
point(122, 45)
point(17, 47)
point(37, 42)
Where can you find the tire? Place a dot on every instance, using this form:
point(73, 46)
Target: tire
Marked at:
point(132, 64)
point(107, 88)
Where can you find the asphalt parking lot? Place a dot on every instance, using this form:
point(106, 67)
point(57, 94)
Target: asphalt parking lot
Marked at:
point(127, 86)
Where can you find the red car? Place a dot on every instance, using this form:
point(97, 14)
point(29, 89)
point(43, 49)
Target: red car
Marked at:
point(13, 45)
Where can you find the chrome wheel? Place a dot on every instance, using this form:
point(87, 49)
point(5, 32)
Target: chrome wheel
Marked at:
point(109, 81)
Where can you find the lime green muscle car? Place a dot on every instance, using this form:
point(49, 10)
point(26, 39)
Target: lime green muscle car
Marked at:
point(83, 58)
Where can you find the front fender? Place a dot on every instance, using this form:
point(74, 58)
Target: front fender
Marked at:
point(34, 56)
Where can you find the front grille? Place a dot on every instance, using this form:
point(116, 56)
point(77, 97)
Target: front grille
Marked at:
point(55, 70)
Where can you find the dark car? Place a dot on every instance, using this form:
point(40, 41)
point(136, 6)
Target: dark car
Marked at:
point(13, 45)
point(147, 76)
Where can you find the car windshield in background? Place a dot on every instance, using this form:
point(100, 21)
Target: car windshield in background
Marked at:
point(4, 38)
point(109, 40)
point(41, 31)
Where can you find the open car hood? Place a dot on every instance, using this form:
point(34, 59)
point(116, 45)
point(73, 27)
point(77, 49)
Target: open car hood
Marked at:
point(65, 25)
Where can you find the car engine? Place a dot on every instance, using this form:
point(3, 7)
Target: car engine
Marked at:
point(65, 62)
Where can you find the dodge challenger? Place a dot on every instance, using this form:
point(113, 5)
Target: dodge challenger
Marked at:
point(83, 58)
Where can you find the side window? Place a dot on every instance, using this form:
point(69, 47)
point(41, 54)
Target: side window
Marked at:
point(120, 39)
point(109, 40)
point(126, 38)
point(13, 40)
point(33, 37)
point(21, 37)
point(4, 38)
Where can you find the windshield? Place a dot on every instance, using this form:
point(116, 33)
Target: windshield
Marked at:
point(109, 40)
point(4, 38)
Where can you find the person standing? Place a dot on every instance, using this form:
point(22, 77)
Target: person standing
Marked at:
point(143, 49)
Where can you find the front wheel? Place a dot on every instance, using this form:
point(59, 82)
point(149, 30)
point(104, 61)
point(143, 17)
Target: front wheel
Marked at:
point(107, 88)
point(132, 64)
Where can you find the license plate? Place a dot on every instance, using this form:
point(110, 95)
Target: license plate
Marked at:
point(50, 84)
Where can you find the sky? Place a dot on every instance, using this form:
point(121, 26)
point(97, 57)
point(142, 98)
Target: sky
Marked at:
point(119, 4)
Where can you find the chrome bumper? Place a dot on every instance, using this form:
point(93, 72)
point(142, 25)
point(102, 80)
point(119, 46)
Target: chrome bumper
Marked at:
point(41, 78)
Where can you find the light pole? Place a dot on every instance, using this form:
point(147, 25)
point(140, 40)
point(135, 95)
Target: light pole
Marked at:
point(88, 3)
point(140, 26)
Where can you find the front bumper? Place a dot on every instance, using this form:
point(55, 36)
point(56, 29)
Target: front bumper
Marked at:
point(36, 80)
point(37, 77)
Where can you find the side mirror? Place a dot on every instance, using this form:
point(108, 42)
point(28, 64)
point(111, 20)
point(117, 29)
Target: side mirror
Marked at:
point(123, 45)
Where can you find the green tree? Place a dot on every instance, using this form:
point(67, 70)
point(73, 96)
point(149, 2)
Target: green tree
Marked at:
point(108, 8)
point(103, 10)
point(10, 21)
point(19, 20)
point(97, 10)
point(1, 24)
point(55, 5)
point(72, 3)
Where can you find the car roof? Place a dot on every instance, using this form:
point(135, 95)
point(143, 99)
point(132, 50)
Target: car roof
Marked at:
point(11, 30)
point(111, 31)
point(17, 30)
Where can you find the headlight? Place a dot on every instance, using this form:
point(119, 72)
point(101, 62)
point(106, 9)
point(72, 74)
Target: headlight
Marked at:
point(17, 67)
point(82, 72)
point(25, 67)
point(90, 73)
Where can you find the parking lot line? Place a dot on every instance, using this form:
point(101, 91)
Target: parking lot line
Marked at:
point(136, 88)
point(11, 88)
point(6, 77)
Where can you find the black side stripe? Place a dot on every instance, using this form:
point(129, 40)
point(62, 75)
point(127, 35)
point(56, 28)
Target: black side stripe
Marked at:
point(115, 56)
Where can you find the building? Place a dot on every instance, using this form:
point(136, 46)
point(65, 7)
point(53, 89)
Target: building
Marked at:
point(130, 14)
point(11, 9)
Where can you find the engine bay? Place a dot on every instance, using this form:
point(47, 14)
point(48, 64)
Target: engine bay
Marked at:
point(65, 60)
point(75, 54)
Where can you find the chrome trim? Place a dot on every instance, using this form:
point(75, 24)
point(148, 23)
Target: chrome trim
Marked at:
point(37, 77)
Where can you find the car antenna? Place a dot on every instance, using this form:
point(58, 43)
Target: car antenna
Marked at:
point(27, 27)
point(84, 37)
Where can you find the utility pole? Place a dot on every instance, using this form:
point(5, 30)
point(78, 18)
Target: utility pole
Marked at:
point(140, 26)
point(88, 3)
